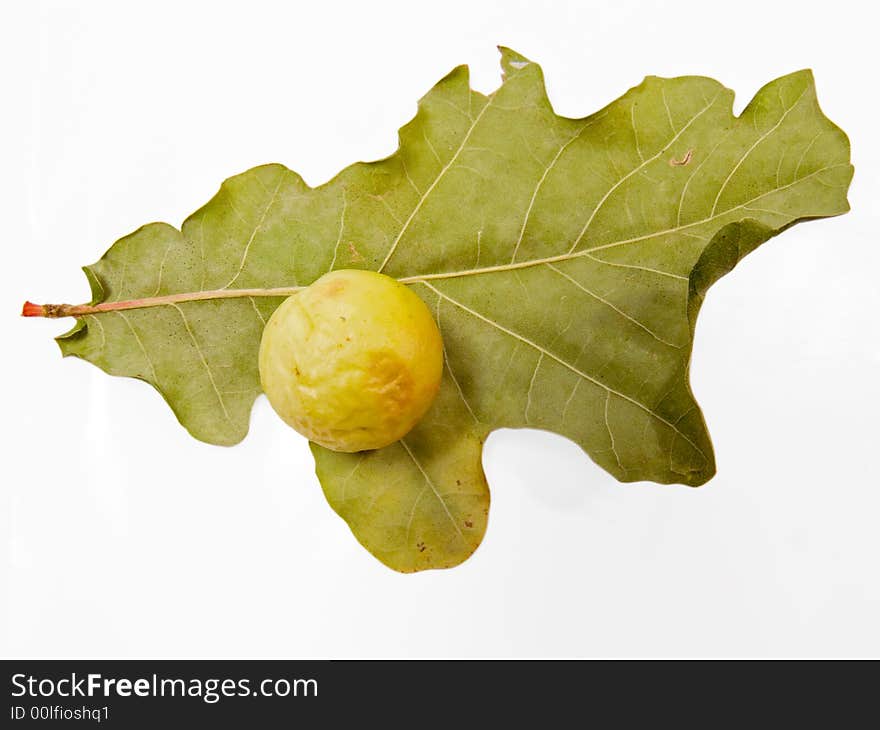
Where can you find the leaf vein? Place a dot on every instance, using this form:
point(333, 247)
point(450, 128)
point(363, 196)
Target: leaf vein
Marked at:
point(141, 346)
point(636, 169)
point(424, 196)
point(433, 488)
point(612, 306)
point(204, 360)
point(568, 365)
point(752, 148)
point(610, 432)
point(256, 230)
point(539, 184)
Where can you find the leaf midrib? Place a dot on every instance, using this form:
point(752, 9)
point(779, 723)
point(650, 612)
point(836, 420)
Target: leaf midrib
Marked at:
point(64, 310)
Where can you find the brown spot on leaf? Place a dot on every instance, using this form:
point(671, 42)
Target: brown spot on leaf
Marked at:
point(468, 523)
point(684, 160)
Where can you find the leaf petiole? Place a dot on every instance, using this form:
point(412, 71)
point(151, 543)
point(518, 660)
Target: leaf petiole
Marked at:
point(78, 310)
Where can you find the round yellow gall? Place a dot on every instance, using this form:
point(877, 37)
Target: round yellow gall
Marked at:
point(353, 361)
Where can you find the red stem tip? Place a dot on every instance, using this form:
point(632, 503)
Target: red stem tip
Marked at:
point(33, 310)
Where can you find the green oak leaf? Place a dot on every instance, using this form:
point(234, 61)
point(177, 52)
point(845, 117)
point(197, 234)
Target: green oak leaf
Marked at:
point(565, 261)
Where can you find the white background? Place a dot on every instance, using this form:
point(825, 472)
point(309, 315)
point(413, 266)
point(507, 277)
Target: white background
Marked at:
point(122, 536)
